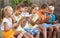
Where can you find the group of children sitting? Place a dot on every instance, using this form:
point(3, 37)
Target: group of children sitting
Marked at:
point(20, 24)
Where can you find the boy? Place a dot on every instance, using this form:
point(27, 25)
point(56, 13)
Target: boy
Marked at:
point(24, 10)
point(42, 19)
point(50, 22)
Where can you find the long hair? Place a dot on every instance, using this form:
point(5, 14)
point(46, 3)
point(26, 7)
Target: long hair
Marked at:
point(2, 11)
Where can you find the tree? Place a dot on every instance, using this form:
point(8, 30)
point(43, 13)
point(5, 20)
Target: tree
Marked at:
point(13, 2)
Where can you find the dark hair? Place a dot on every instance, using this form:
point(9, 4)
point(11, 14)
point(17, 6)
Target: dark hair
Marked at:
point(51, 4)
point(34, 6)
point(18, 6)
point(44, 6)
point(25, 3)
point(23, 6)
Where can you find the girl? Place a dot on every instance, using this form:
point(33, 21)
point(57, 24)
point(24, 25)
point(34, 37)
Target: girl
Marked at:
point(7, 23)
point(35, 9)
point(32, 28)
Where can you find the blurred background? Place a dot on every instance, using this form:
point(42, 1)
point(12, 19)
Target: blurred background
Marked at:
point(13, 3)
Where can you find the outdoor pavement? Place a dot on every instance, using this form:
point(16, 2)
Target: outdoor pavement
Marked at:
point(55, 24)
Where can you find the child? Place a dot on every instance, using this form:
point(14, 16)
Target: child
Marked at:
point(24, 10)
point(19, 31)
point(16, 16)
point(35, 9)
point(32, 28)
point(42, 19)
point(52, 21)
point(7, 23)
point(21, 27)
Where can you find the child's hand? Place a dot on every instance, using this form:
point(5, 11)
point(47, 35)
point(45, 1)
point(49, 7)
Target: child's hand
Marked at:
point(54, 22)
point(48, 17)
point(14, 25)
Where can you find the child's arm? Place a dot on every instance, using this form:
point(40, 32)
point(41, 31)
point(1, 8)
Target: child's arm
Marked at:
point(6, 28)
point(53, 19)
point(16, 24)
point(46, 19)
point(54, 22)
point(13, 19)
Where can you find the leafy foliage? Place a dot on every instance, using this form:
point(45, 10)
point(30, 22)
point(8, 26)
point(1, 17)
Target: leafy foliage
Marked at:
point(13, 2)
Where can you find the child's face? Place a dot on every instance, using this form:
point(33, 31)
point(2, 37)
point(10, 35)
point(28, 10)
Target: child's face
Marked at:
point(35, 10)
point(9, 11)
point(22, 9)
point(18, 11)
point(26, 8)
point(50, 12)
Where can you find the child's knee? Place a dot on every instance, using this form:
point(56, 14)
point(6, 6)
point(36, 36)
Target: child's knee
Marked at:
point(44, 29)
point(56, 28)
point(50, 29)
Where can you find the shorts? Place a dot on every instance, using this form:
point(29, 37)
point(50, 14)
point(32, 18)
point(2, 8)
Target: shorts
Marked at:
point(31, 31)
point(47, 25)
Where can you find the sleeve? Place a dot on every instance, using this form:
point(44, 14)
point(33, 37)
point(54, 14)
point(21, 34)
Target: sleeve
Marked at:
point(5, 20)
point(2, 25)
point(27, 13)
point(53, 18)
point(46, 14)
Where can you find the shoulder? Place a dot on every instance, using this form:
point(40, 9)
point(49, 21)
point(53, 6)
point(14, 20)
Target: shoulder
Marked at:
point(46, 13)
point(53, 15)
point(4, 19)
point(39, 12)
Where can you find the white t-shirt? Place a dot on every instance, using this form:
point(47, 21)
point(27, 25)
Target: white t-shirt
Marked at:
point(22, 29)
point(25, 14)
point(9, 22)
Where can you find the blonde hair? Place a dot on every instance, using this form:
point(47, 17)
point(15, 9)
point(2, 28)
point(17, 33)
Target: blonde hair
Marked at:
point(51, 8)
point(6, 8)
